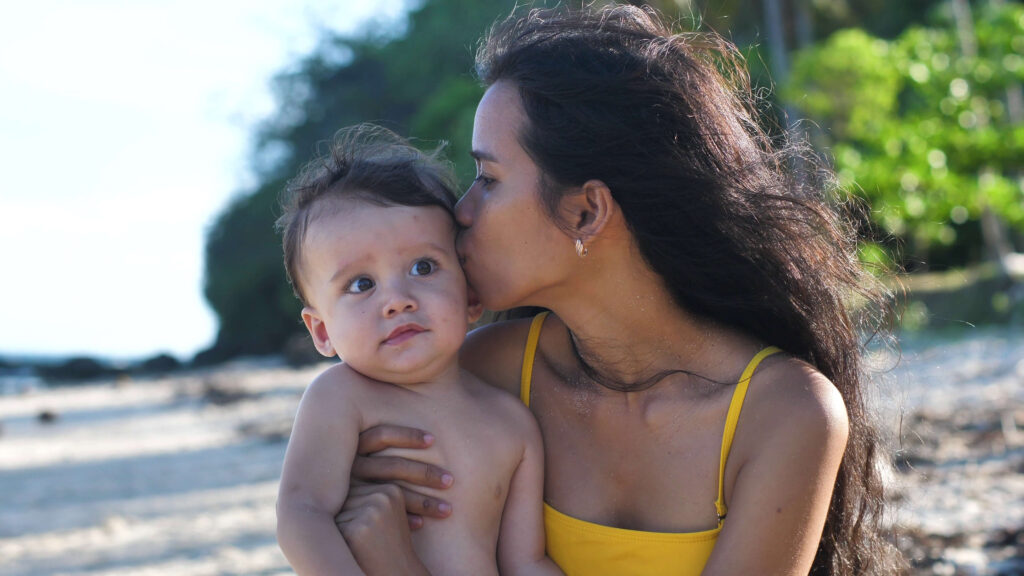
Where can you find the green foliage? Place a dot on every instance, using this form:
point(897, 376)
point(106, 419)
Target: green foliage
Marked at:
point(922, 130)
point(857, 94)
point(245, 281)
point(881, 18)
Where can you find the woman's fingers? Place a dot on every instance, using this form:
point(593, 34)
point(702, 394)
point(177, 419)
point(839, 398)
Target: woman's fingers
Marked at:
point(416, 504)
point(393, 469)
point(384, 436)
point(368, 472)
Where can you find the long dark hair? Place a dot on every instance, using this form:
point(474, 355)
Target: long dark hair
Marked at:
point(669, 123)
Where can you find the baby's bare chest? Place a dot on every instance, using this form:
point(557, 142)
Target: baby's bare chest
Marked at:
point(475, 442)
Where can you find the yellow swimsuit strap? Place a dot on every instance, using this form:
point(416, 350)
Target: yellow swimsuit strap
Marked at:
point(526, 375)
point(730, 424)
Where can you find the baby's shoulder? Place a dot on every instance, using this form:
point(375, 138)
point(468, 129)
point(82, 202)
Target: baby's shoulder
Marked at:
point(338, 385)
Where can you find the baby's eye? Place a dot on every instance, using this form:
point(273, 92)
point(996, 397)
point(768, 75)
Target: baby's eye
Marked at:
point(484, 180)
point(359, 285)
point(423, 267)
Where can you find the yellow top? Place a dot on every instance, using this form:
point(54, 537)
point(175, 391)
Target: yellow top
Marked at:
point(584, 548)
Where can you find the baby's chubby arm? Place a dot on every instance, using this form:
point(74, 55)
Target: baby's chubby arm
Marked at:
point(316, 476)
point(521, 539)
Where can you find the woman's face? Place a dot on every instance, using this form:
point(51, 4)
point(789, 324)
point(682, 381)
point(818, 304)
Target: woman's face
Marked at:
point(512, 252)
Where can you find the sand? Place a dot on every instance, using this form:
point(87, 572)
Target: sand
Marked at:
point(178, 475)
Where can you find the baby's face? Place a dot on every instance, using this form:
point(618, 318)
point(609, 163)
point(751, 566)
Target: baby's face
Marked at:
point(386, 291)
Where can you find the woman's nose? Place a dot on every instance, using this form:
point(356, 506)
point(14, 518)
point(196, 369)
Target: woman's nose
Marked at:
point(464, 209)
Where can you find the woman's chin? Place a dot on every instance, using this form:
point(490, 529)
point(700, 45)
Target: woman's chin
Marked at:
point(492, 302)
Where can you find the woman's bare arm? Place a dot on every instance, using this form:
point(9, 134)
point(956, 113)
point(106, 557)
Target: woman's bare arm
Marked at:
point(796, 431)
point(494, 353)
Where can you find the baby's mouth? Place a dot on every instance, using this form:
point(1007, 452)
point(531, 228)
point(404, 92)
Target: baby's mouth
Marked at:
point(403, 333)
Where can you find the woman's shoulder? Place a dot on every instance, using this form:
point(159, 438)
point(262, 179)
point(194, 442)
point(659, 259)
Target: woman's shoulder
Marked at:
point(790, 401)
point(494, 352)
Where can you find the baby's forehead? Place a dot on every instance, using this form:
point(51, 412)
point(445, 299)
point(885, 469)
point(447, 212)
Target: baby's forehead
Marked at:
point(340, 217)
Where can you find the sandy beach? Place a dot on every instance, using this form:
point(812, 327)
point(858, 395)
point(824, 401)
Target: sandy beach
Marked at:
point(178, 475)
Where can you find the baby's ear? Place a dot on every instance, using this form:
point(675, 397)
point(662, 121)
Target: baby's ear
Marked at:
point(318, 331)
point(474, 308)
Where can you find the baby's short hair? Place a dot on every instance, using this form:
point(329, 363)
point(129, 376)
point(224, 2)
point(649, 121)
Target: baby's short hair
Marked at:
point(367, 163)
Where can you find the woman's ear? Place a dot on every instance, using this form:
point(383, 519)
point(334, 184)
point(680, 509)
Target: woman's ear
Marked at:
point(589, 210)
point(318, 331)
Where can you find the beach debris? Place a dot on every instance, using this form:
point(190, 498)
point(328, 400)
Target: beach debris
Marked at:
point(270, 431)
point(222, 393)
point(299, 351)
point(1011, 435)
point(47, 417)
point(115, 523)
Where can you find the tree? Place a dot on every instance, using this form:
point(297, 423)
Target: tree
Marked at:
point(920, 128)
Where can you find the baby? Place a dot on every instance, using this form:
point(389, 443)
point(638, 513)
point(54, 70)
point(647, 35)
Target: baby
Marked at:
point(369, 247)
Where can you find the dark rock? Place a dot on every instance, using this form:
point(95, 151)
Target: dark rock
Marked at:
point(212, 355)
point(159, 364)
point(76, 369)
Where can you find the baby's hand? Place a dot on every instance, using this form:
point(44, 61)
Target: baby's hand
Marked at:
point(374, 525)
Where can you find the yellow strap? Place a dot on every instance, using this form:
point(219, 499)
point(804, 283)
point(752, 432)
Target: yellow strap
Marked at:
point(730, 424)
point(531, 350)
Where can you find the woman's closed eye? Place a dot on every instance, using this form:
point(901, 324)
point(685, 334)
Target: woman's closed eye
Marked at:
point(423, 267)
point(359, 285)
point(483, 179)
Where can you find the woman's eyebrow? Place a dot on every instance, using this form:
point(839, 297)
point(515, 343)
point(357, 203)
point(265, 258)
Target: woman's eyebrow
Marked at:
point(482, 156)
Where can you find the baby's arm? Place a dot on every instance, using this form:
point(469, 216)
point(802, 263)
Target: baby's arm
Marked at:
point(315, 477)
point(521, 539)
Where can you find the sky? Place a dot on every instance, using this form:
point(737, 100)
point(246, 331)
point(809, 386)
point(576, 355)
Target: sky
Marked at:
point(125, 128)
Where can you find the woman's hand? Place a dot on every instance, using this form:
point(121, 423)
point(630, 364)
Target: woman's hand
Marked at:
point(374, 525)
point(377, 469)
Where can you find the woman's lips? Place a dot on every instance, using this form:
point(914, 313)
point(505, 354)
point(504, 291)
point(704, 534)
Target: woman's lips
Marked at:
point(402, 334)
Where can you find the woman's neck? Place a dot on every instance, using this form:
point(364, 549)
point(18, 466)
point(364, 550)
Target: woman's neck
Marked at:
point(626, 327)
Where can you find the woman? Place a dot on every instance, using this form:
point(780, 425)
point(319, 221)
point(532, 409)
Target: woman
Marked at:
point(624, 185)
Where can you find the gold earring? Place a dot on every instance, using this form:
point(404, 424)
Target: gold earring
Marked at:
point(581, 250)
